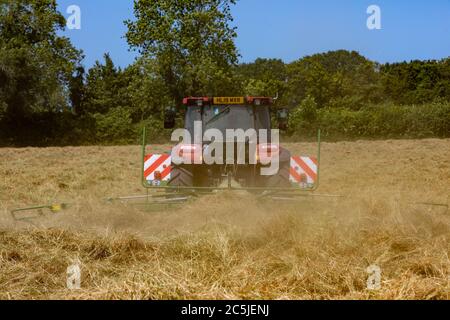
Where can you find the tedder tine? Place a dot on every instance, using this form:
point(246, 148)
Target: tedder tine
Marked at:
point(53, 208)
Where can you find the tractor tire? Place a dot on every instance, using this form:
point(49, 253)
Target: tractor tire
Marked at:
point(181, 177)
point(281, 179)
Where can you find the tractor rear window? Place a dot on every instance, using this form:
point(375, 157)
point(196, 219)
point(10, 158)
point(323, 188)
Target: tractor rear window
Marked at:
point(235, 117)
point(223, 117)
point(192, 114)
point(227, 117)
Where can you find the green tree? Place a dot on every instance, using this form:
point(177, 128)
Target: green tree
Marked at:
point(77, 91)
point(336, 79)
point(263, 69)
point(114, 126)
point(36, 64)
point(105, 88)
point(191, 41)
point(417, 81)
point(304, 116)
point(263, 77)
point(146, 89)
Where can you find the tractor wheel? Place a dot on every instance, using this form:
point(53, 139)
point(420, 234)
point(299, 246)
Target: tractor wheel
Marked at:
point(281, 179)
point(181, 177)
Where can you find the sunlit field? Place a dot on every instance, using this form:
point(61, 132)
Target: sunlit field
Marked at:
point(229, 245)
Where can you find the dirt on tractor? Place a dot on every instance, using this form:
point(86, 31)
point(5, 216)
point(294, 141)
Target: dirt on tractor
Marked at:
point(230, 245)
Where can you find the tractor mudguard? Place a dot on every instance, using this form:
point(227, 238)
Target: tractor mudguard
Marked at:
point(285, 155)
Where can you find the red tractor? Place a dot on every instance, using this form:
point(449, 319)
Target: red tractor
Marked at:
point(237, 161)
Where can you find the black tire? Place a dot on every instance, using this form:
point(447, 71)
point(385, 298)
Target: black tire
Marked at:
point(181, 177)
point(281, 179)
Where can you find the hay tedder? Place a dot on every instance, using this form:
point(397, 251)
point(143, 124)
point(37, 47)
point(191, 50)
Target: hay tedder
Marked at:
point(214, 161)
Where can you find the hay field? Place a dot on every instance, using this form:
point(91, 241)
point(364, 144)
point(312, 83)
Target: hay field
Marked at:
point(229, 246)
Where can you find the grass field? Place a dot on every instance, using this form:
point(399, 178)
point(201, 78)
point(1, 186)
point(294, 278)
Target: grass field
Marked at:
point(229, 246)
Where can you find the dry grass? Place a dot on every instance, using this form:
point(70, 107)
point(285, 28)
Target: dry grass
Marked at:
point(229, 245)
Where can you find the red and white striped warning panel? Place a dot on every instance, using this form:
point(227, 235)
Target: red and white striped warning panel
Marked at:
point(304, 171)
point(157, 167)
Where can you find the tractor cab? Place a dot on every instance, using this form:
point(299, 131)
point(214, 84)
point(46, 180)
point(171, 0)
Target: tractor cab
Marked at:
point(229, 139)
point(226, 113)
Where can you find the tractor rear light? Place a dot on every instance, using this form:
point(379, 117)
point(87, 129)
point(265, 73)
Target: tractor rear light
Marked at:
point(189, 148)
point(259, 101)
point(189, 153)
point(268, 149)
point(266, 152)
point(196, 101)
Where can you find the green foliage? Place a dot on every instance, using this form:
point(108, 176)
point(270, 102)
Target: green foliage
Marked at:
point(36, 64)
point(155, 130)
point(264, 77)
point(378, 121)
point(77, 91)
point(333, 78)
point(304, 117)
point(3, 107)
point(187, 48)
point(258, 88)
point(191, 42)
point(147, 95)
point(105, 88)
point(263, 69)
point(115, 125)
point(417, 81)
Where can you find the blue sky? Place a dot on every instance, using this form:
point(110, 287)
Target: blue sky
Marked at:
point(289, 29)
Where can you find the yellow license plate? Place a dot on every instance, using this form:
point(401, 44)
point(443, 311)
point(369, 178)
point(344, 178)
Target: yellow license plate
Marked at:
point(229, 100)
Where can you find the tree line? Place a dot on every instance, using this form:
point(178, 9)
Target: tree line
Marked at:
point(187, 48)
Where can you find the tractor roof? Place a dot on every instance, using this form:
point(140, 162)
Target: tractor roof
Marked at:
point(200, 101)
